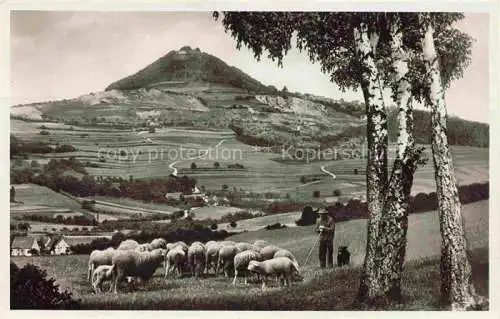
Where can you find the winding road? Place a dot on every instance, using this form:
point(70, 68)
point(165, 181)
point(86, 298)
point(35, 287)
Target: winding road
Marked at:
point(175, 170)
point(324, 170)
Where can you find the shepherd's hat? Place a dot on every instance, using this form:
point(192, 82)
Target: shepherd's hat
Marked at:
point(323, 211)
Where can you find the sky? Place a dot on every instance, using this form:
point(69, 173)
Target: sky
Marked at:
point(65, 54)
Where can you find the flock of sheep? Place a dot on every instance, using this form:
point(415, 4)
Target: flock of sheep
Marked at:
point(134, 261)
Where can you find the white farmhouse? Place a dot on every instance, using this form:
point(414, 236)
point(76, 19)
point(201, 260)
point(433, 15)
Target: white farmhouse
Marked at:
point(24, 245)
point(61, 247)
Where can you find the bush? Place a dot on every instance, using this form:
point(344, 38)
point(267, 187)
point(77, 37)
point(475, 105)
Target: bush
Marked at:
point(275, 226)
point(316, 194)
point(308, 217)
point(88, 205)
point(337, 192)
point(213, 226)
point(236, 166)
point(152, 130)
point(65, 148)
point(30, 289)
point(233, 224)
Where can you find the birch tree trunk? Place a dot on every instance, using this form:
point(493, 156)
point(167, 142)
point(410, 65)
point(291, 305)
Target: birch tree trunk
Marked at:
point(377, 140)
point(457, 289)
point(393, 225)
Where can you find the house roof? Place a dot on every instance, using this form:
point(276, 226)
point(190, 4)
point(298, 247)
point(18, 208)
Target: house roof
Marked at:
point(53, 241)
point(22, 242)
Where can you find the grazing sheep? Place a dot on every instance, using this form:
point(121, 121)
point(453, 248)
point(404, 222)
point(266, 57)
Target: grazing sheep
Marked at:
point(269, 251)
point(343, 256)
point(100, 275)
point(196, 258)
point(159, 243)
point(144, 247)
point(261, 243)
point(212, 256)
point(226, 259)
point(175, 260)
point(288, 254)
point(241, 261)
point(182, 244)
point(135, 264)
point(128, 244)
point(280, 266)
point(99, 257)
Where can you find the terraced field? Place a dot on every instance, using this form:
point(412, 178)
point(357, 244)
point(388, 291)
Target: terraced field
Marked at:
point(155, 155)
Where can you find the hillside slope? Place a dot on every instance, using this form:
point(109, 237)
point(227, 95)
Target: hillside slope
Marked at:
point(188, 65)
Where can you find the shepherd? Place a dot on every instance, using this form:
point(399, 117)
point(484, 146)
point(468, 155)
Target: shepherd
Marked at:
point(325, 226)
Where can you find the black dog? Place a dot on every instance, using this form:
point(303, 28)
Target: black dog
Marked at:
point(343, 256)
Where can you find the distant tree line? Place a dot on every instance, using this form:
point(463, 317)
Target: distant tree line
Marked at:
point(420, 203)
point(59, 219)
point(19, 148)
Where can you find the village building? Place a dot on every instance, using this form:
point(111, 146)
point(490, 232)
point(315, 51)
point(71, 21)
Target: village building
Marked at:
point(61, 245)
point(27, 245)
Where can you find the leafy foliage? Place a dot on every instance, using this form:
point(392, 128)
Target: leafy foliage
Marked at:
point(30, 289)
point(328, 39)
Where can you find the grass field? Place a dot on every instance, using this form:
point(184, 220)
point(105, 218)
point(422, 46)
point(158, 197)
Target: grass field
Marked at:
point(320, 290)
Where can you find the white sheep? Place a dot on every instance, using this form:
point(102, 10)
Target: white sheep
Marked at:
point(144, 247)
point(97, 258)
point(137, 264)
point(182, 244)
point(100, 275)
point(280, 266)
point(175, 260)
point(196, 258)
point(212, 256)
point(159, 243)
point(269, 251)
point(226, 259)
point(128, 244)
point(286, 253)
point(241, 261)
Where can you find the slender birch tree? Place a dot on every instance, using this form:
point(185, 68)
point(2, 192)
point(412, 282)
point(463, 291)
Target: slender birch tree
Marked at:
point(393, 225)
point(457, 288)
